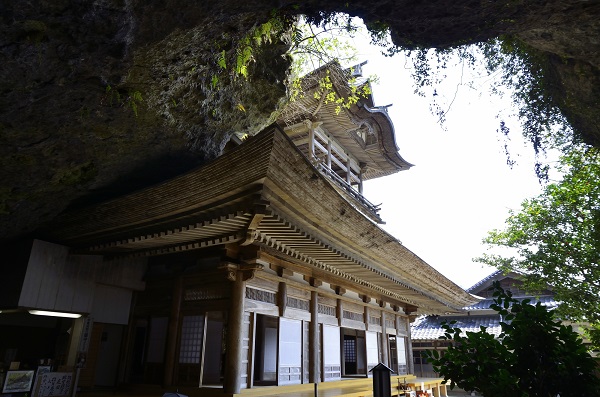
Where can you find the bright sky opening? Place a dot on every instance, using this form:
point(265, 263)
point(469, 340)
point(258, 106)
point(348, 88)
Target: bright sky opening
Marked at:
point(461, 186)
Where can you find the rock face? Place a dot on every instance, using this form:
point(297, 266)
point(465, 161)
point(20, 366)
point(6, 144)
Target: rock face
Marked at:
point(103, 97)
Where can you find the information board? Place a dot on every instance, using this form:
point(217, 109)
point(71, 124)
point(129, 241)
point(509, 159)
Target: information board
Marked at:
point(53, 384)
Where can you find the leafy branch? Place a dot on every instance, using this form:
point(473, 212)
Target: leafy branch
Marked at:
point(554, 239)
point(534, 355)
point(317, 43)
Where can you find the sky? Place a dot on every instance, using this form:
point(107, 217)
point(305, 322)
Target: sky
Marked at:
point(460, 186)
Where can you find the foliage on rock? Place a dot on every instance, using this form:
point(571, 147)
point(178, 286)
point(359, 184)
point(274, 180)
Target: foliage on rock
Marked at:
point(534, 356)
point(60, 56)
point(230, 83)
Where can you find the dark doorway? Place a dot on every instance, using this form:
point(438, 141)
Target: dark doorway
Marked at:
point(265, 361)
point(354, 352)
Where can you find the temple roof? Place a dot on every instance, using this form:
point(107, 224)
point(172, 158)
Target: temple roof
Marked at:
point(264, 192)
point(479, 314)
point(429, 328)
point(363, 129)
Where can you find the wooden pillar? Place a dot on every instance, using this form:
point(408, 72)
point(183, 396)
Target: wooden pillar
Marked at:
point(77, 331)
point(314, 363)
point(238, 274)
point(172, 333)
point(313, 336)
point(360, 179)
point(233, 359)
point(384, 340)
point(311, 142)
point(348, 170)
point(409, 351)
point(251, 350)
point(282, 298)
point(329, 154)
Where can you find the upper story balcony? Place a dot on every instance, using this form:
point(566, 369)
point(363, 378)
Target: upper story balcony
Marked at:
point(347, 144)
point(334, 161)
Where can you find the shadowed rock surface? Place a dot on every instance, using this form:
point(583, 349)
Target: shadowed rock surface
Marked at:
point(103, 97)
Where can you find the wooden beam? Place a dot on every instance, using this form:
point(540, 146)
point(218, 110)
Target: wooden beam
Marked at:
point(281, 271)
point(338, 290)
point(321, 275)
point(312, 281)
point(282, 298)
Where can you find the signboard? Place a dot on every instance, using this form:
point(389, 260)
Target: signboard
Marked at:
point(53, 384)
point(86, 334)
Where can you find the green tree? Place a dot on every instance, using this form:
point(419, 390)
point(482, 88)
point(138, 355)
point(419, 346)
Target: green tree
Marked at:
point(534, 356)
point(314, 45)
point(554, 239)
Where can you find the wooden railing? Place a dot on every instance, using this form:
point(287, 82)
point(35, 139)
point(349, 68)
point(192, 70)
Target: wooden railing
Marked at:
point(374, 209)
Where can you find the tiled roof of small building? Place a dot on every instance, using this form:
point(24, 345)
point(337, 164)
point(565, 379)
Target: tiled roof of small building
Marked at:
point(429, 327)
point(483, 281)
point(547, 301)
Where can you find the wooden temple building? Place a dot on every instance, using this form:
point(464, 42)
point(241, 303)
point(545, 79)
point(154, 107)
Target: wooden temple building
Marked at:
point(264, 267)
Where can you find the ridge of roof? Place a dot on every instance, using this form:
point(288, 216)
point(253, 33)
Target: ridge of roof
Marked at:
point(483, 281)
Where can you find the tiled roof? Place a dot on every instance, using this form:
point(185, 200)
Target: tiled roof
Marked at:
point(483, 281)
point(430, 327)
point(547, 301)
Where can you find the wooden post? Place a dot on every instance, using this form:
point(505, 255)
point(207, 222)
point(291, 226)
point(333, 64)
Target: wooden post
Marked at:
point(238, 274)
point(409, 351)
point(314, 373)
point(282, 298)
point(348, 170)
point(75, 341)
point(233, 360)
point(384, 340)
point(251, 350)
point(313, 337)
point(172, 331)
point(360, 179)
point(203, 349)
point(311, 143)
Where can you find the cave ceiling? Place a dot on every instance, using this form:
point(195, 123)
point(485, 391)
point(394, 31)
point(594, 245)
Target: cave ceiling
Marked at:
point(104, 97)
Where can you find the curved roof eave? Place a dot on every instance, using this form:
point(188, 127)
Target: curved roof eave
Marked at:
point(365, 110)
point(387, 137)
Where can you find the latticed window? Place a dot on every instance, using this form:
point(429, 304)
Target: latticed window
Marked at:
point(327, 310)
point(260, 295)
point(353, 315)
point(192, 329)
point(350, 350)
point(296, 303)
